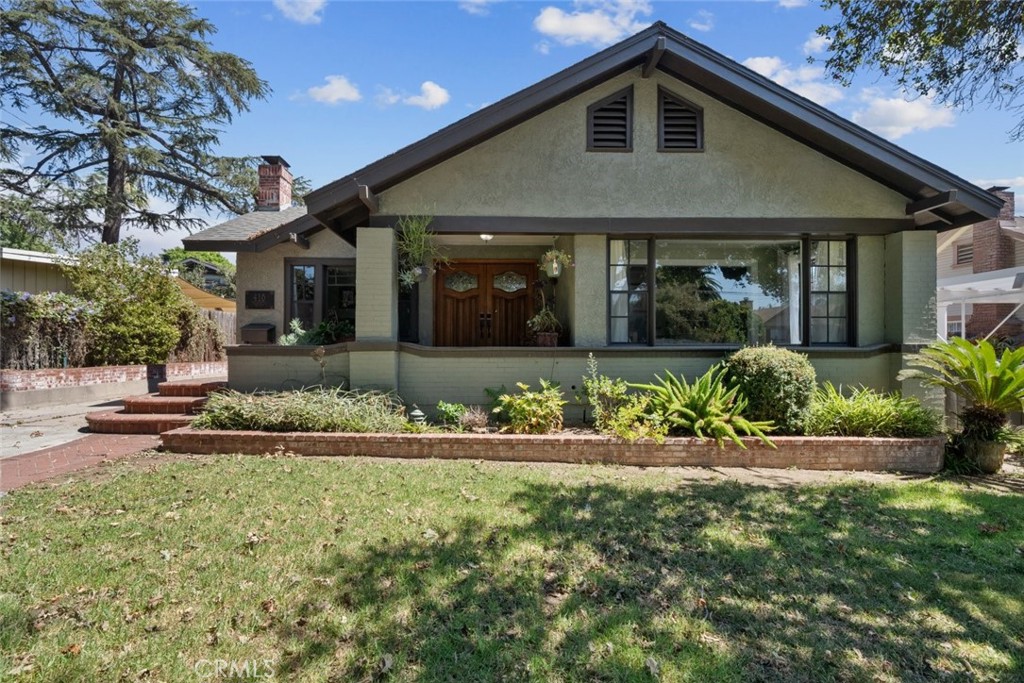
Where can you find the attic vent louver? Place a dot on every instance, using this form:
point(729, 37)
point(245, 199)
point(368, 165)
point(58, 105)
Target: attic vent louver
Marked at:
point(610, 123)
point(680, 124)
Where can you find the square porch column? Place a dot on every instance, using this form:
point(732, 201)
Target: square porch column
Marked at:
point(590, 327)
point(373, 357)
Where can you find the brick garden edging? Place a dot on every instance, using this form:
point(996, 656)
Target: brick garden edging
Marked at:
point(811, 453)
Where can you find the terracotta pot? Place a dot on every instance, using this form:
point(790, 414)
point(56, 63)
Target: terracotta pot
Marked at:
point(553, 269)
point(987, 456)
point(547, 339)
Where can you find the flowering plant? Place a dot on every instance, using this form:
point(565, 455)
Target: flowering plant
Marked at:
point(557, 256)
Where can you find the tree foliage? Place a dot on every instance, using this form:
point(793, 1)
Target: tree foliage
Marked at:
point(136, 305)
point(134, 98)
point(24, 227)
point(961, 53)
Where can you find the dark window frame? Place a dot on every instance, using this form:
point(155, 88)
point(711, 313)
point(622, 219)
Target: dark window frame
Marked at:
point(319, 288)
point(805, 289)
point(627, 92)
point(663, 94)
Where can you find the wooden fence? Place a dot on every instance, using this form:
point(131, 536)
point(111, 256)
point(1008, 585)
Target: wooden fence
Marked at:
point(226, 321)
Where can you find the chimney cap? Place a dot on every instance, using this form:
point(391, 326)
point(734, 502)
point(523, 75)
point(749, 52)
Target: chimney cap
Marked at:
point(275, 160)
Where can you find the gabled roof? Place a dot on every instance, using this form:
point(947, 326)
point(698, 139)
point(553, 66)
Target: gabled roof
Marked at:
point(254, 231)
point(937, 199)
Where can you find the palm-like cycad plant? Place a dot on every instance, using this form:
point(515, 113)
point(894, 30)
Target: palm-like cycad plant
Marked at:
point(710, 407)
point(993, 385)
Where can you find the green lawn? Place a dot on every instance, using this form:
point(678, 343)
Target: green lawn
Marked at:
point(354, 569)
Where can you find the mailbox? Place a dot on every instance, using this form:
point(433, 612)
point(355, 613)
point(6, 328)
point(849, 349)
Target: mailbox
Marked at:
point(258, 333)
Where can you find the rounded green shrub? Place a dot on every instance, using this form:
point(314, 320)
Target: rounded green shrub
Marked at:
point(778, 384)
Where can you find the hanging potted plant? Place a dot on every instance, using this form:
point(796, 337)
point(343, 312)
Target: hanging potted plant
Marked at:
point(546, 326)
point(417, 250)
point(993, 387)
point(554, 260)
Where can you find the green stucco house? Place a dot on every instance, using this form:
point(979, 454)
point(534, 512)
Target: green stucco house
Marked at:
point(705, 207)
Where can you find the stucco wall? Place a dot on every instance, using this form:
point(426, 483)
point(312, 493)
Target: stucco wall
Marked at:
point(542, 168)
point(292, 368)
point(265, 270)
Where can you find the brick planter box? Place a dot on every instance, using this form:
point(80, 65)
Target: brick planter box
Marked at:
point(812, 453)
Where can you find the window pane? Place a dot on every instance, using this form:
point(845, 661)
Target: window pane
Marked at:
point(819, 279)
point(819, 330)
point(617, 251)
point(727, 292)
point(620, 305)
point(620, 331)
point(303, 292)
point(837, 279)
point(836, 306)
point(618, 279)
point(340, 294)
point(837, 330)
point(837, 253)
point(819, 253)
point(638, 251)
point(819, 304)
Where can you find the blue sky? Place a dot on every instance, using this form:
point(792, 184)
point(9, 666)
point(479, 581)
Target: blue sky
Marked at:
point(354, 81)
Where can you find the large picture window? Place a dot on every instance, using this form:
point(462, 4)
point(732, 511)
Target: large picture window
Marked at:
point(321, 291)
point(681, 292)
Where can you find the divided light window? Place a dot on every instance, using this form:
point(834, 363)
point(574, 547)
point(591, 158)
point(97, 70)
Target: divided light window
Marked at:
point(680, 124)
point(321, 291)
point(610, 123)
point(679, 292)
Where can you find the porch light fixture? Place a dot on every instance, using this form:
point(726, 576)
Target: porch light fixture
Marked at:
point(486, 238)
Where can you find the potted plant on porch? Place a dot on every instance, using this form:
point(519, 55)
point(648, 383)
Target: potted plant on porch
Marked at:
point(417, 249)
point(554, 260)
point(992, 385)
point(546, 326)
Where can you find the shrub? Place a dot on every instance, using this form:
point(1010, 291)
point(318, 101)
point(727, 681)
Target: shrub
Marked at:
point(450, 413)
point(136, 304)
point(475, 418)
point(201, 339)
point(604, 395)
point(327, 332)
point(866, 412)
point(533, 412)
point(710, 407)
point(310, 410)
point(635, 419)
point(48, 330)
point(778, 385)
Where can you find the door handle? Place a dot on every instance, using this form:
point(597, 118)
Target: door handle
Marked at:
point(485, 325)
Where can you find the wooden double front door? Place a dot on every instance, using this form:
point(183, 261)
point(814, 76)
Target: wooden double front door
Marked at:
point(483, 303)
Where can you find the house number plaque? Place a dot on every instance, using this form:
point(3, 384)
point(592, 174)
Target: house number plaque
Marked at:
point(259, 298)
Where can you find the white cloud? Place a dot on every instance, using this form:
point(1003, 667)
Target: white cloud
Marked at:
point(431, 96)
point(790, 4)
point(702, 21)
point(1016, 185)
point(337, 89)
point(476, 7)
point(803, 80)
point(894, 117)
point(301, 11)
point(386, 96)
point(593, 22)
point(815, 44)
point(543, 47)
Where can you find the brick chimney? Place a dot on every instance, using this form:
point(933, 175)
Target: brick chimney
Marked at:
point(275, 191)
point(993, 250)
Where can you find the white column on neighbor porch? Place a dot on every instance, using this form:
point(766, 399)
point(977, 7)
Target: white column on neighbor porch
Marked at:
point(941, 320)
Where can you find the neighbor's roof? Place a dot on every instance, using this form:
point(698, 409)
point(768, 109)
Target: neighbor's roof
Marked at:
point(937, 199)
point(205, 299)
point(254, 231)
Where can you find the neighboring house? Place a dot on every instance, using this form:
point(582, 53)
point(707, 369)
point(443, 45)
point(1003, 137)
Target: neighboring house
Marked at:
point(34, 272)
point(981, 275)
point(669, 172)
point(213, 275)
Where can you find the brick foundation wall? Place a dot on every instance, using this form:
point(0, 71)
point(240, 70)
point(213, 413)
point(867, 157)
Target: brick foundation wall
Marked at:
point(829, 453)
point(35, 380)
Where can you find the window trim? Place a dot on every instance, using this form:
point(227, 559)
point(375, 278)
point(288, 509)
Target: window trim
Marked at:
point(805, 239)
point(664, 93)
point(628, 93)
point(318, 291)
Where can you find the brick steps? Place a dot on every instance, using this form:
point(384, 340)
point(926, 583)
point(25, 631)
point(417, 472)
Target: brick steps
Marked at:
point(190, 387)
point(175, 406)
point(186, 405)
point(117, 422)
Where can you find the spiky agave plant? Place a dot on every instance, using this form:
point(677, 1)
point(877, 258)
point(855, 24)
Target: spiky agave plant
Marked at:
point(711, 407)
point(992, 385)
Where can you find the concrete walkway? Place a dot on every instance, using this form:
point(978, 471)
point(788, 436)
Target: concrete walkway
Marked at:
point(40, 443)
